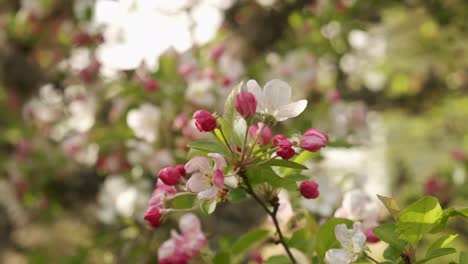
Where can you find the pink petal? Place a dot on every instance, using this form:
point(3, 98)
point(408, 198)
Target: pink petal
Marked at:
point(220, 162)
point(208, 194)
point(201, 164)
point(218, 179)
point(198, 182)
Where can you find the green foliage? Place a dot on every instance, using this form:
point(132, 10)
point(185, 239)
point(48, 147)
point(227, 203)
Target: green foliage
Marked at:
point(386, 232)
point(209, 147)
point(278, 260)
point(237, 195)
point(268, 176)
point(229, 113)
point(208, 207)
point(418, 219)
point(183, 201)
point(284, 163)
point(248, 240)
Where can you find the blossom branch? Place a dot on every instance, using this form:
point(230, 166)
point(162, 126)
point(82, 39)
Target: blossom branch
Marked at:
point(271, 213)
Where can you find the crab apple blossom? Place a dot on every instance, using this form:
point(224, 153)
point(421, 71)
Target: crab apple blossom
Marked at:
point(181, 169)
point(144, 122)
point(154, 213)
point(275, 100)
point(277, 138)
point(309, 189)
point(169, 175)
point(150, 85)
point(183, 247)
point(246, 104)
point(153, 216)
point(286, 153)
point(358, 206)
point(264, 138)
point(314, 139)
point(204, 121)
point(206, 180)
point(285, 150)
point(353, 242)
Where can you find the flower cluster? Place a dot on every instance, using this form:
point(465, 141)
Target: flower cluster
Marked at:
point(244, 151)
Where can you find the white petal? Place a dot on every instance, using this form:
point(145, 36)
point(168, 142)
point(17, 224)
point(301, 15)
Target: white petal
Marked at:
point(198, 182)
point(339, 256)
point(253, 87)
point(220, 163)
point(201, 164)
point(291, 110)
point(208, 194)
point(277, 93)
point(358, 239)
point(166, 249)
point(343, 235)
point(231, 181)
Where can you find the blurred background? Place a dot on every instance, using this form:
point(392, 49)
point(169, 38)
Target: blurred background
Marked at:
point(97, 96)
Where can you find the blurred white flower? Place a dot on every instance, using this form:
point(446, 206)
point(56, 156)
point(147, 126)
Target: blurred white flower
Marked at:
point(144, 121)
point(200, 92)
point(358, 206)
point(79, 149)
point(275, 99)
point(119, 198)
point(353, 242)
point(82, 114)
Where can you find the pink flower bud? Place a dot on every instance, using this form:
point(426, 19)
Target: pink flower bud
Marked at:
point(334, 96)
point(153, 216)
point(278, 138)
point(459, 155)
point(217, 51)
point(181, 121)
point(256, 258)
point(227, 81)
point(309, 189)
point(314, 139)
point(286, 153)
point(204, 121)
point(246, 104)
point(169, 175)
point(181, 169)
point(265, 136)
point(370, 236)
point(150, 85)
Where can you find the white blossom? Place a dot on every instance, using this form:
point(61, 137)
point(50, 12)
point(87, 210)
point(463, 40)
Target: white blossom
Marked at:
point(275, 100)
point(144, 122)
point(353, 242)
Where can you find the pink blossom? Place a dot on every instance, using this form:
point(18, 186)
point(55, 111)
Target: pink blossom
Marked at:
point(169, 175)
point(314, 139)
point(370, 236)
point(154, 213)
point(181, 248)
point(206, 180)
point(265, 136)
point(217, 51)
point(150, 85)
point(246, 104)
point(309, 189)
point(204, 121)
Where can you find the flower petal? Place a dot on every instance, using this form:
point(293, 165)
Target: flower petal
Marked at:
point(253, 87)
point(208, 194)
point(220, 162)
point(218, 179)
point(189, 223)
point(201, 164)
point(291, 110)
point(277, 93)
point(343, 235)
point(339, 256)
point(198, 182)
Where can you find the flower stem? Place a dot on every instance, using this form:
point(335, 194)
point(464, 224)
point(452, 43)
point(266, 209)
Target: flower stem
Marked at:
point(271, 213)
point(372, 259)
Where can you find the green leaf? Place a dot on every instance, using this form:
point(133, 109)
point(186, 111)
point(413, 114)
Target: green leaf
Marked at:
point(267, 175)
point(387, 233)
point(230, 113)
point(183, 201)
point(392, 254)
point(463, 258)
point(326, 238)
point(285, 163)
point(449, 212)
point(297, 177)
point(278, 260)
point(436, 254)
point(418, 219)
point(222, 258)
point(208, 207)
point(209, 147)
point(391, 205)
point(302, 240)
point(237, 195)
point(442, 242)
point(248, 240)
